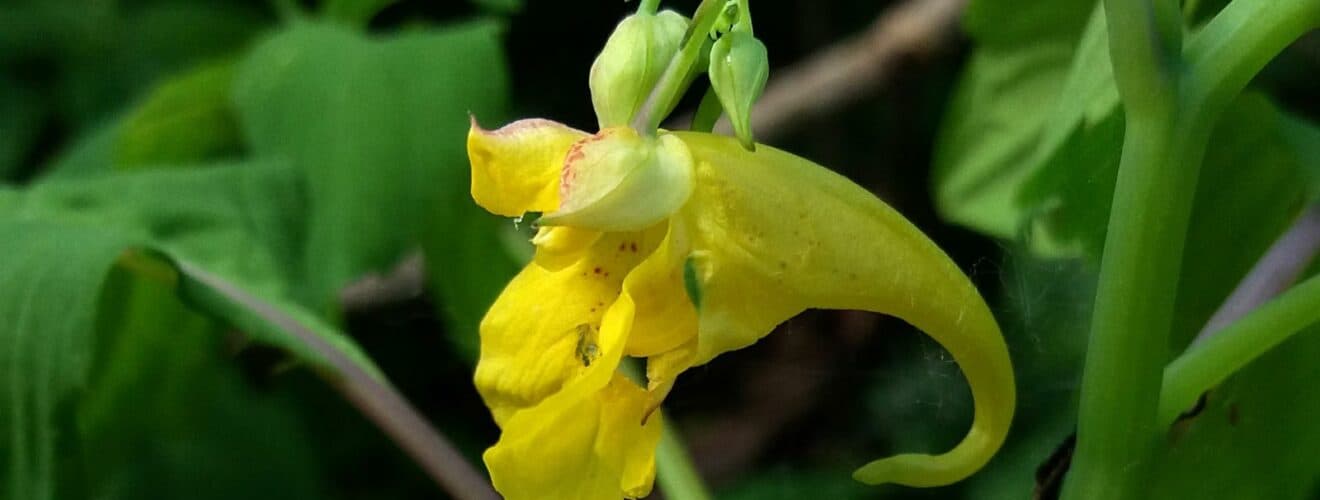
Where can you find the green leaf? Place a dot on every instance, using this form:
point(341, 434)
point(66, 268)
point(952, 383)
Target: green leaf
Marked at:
point(91, 154)
point(45, 345)
point(468, 274)
point(166, 404)
point(185, 119)
point(161, 410)
point(1001, 105)
point(379, 124)
point(222, 229)
point(1089, 94)
point(1071, 192)
point(240, 222)
point(104, 55)
point(1257, 435)
point(990, 134)
point(1018, 23)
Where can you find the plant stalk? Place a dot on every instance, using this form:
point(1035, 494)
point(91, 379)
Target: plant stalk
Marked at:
point(675, 79)
point(1142, 258)
point(648, 6)
point(677, 476)
point(1116, 426)
point(1171, 103)
point(1214, 360)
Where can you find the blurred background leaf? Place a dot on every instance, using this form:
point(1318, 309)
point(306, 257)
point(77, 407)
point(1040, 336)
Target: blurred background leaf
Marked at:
point(1256, 436)
point(998, 113)
point(168, 413)
point(1256, 178)
point(185, 119)
point(379, 125)
point(236, 221)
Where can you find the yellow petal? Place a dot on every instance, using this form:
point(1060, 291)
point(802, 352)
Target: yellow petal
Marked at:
point(662, 371)
point(558, 246)
point(775, 234)
point(515, 169)
point(593, 447)
point(595, 435)
point(563, 240)
point(666, 318)
point(546, 327)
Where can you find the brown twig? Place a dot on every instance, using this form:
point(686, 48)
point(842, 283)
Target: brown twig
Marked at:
point(1281, 265)
point(850, 69)
point(376, 399)
point(405, 281)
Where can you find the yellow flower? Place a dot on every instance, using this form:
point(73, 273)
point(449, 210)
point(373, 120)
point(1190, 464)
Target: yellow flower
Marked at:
point(675, 249)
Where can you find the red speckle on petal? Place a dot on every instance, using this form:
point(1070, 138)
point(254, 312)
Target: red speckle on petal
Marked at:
point(575, 153)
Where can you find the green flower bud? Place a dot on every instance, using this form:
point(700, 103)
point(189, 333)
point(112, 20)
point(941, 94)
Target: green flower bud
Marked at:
point(738, 71)
point(631, 63)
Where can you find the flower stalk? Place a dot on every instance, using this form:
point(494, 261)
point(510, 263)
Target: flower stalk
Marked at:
point(675, 79)
point(675, 472)
point(648, 6)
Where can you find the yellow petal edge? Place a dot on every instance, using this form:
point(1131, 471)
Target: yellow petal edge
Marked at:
point(515, 168)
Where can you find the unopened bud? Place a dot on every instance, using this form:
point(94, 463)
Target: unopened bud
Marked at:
point(739, 68)
point(631, 63)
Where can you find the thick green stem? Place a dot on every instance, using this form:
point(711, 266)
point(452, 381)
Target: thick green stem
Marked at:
point(1211, 362)
point(1142, 257)
point(1171, 103)
point(648, 6)
point(1116, 427)
point(678, 74)
point(677, 476)
point(1145, 45)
